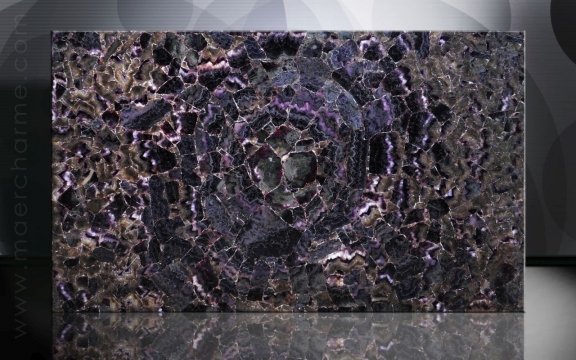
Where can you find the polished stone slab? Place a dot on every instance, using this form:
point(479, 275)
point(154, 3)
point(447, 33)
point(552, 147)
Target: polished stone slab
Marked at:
point(288, 172)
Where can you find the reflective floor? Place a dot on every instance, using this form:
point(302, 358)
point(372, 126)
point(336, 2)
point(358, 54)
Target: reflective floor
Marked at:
point(290, 336)
point(544, 331)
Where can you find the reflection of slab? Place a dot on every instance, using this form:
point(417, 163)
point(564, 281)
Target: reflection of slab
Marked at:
point(289, 336)
point(288, 171)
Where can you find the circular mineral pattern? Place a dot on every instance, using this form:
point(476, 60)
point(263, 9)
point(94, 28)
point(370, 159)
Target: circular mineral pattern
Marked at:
point(288, 171)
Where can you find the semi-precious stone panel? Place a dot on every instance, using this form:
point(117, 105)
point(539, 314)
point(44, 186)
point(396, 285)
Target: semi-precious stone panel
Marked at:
point(274, 171)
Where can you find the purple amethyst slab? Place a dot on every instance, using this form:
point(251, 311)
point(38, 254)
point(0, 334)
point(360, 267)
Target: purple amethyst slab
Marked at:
point(288, 171)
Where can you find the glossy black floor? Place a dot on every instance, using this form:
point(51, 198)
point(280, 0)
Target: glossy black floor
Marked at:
point(290, 336)
point(545, 331)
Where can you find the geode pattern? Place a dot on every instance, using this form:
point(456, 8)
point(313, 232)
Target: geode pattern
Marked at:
point(277, 171)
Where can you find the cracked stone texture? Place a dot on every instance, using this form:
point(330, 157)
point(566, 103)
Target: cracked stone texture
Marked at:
point(275, 171)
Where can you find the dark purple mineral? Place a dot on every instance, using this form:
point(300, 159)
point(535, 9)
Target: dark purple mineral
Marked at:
point(288, 171)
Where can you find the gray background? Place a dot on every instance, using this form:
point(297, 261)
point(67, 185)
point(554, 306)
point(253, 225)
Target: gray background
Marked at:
point(550, 126)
